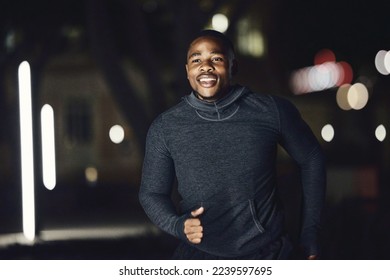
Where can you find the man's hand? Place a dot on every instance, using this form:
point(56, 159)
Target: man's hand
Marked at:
point(193, 228)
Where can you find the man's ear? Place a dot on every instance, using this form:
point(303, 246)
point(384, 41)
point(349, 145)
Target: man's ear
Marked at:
point(186, 69)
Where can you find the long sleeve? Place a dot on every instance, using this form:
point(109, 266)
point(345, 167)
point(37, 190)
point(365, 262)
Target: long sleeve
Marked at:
point(301, 144)
point(156, 183)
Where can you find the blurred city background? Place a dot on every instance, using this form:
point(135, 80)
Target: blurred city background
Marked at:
point(101, 70)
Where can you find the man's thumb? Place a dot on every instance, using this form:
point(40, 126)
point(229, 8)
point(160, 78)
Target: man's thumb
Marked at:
point(197, 212)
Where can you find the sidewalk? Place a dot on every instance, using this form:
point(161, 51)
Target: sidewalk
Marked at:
point(140, 242)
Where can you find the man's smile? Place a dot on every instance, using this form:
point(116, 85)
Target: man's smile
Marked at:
point(207, 80)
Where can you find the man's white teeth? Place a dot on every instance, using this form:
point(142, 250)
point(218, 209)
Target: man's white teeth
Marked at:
point(207, 79)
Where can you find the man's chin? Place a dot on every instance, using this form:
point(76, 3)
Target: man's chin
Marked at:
point(207, 98)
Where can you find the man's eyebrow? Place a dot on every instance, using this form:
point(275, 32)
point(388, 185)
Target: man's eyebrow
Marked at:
point(194, 54)
point(217, 52)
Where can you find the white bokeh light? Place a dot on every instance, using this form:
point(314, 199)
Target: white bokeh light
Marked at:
point(387, 61)
point(91, 174)
point(327, 133)
point(342, 97)
point(380, 64)
point(220, 22)
point(380, 132)
point(357, 96)
point(320, 77)
point(117, 134)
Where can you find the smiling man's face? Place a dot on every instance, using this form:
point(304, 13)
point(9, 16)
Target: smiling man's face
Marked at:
point(209, 68)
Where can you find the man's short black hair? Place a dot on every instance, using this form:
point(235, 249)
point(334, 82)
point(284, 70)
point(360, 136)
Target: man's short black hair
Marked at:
point(227, 43)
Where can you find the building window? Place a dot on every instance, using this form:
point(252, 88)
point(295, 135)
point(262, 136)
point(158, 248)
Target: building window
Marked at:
point(79, 121)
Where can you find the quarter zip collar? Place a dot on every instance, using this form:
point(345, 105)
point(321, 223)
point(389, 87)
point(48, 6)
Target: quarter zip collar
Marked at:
point(218, 110)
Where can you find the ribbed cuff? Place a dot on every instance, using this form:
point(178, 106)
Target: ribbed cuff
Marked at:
point(179, 227)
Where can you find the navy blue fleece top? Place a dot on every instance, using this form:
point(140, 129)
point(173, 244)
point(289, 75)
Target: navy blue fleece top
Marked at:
point(223, 155)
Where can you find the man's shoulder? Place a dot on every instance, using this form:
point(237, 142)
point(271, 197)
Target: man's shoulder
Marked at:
point(260, 101)
point(267, 100)
point(171, 113)
point(175, 110)
point(271, 105)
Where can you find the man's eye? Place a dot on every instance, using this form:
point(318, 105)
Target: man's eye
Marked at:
point(217, 59)
point(195, 60)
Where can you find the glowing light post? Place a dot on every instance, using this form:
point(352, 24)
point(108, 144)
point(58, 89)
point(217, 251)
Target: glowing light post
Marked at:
point(48, 147)
point(27, 151)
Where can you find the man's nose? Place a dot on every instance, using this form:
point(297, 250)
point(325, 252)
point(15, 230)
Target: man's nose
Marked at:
point(206, 66)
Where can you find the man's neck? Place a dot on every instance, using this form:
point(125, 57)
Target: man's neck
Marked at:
point(213, 98)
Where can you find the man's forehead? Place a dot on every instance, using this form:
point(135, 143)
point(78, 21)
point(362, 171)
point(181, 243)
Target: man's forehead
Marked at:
point(207, 40)
point(198, 45)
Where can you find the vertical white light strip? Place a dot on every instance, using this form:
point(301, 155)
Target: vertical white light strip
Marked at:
point(48, 147)
point(27, 153)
